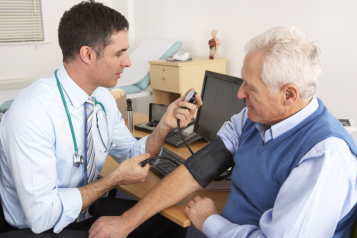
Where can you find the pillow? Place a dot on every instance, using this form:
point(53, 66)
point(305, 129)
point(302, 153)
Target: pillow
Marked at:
point(143, 84)
point(173, 49)
point(5, 106)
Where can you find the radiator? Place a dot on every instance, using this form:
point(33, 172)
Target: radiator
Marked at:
point(12, 84)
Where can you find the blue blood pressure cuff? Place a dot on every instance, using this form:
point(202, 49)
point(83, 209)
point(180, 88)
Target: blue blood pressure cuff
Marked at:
point(209, 162)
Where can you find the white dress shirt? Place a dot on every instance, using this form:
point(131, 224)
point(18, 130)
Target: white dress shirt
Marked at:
point(38, 181)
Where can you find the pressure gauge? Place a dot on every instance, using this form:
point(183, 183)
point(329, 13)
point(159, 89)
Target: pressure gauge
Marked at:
point(190, 97)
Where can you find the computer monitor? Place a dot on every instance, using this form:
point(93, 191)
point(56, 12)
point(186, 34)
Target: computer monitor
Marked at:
point(220, 103)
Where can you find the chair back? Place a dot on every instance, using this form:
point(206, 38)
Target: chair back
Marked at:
point(354, 231)
point(3, 224)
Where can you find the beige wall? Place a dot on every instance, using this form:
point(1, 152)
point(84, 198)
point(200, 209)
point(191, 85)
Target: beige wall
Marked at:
point(34, 61)
point(331, 23)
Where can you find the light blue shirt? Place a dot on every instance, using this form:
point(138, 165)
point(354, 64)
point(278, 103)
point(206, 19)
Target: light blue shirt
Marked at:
point(38, 181)
point(326, 177)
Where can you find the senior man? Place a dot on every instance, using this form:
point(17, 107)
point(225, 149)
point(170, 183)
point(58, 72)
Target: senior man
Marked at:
point(295, 165)
point(56, 136)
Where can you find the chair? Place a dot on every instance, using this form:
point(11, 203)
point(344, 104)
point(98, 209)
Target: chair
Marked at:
point(27, 233)
point(354, 231)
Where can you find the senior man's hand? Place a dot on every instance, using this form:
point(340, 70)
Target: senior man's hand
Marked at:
point(174, 112)
point(199, 209)
point(111, 226)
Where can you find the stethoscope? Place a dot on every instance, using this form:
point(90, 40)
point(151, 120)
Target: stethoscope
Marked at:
point(78, 159)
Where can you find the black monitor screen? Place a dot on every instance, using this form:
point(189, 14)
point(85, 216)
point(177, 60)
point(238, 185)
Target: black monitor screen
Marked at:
point(220, 103)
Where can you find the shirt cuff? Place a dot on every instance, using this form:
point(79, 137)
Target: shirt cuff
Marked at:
point(214, 224)
point(139, 147)
point(72, 204)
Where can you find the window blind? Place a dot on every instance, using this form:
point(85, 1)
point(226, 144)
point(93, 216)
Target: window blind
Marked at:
point(20, 21)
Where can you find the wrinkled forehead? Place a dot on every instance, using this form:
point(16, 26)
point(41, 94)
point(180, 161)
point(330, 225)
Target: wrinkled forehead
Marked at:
point(253, 63)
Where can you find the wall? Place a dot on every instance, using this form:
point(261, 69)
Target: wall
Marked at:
point(34, 61)
point(332, 24)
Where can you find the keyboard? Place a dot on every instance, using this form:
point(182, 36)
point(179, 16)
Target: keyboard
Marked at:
point(176, 139)
point(165, 166)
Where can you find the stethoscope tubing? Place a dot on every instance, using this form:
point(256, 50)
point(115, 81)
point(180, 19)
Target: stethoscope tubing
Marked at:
point(67, 111)
point(76, 156)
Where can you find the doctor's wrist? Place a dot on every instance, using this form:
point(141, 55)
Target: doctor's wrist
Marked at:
point(163, 128)
point(112, 180)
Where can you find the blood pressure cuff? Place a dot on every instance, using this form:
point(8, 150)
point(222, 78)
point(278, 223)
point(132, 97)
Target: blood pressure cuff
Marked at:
point(209, 162)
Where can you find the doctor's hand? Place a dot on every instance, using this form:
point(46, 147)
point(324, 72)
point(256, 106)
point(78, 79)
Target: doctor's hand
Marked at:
point(130, 171)
point(174, 112)
point(199, 209)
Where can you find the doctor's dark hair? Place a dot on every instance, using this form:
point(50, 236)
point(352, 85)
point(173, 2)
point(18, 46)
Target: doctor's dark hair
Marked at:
point(88, 24)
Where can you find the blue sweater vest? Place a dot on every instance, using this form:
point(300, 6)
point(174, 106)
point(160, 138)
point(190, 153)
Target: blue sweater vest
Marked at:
point(261, 169)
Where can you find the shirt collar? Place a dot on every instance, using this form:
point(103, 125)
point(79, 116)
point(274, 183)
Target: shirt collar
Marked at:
point(75, 94)
point(269, 133)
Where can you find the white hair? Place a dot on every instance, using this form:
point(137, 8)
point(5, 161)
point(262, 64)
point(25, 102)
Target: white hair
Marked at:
point(290, 58)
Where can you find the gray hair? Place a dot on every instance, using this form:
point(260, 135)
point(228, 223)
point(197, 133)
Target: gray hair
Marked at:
point(290, 58)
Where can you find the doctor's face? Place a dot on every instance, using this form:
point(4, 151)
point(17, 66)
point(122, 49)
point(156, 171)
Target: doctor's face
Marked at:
point(107, 69)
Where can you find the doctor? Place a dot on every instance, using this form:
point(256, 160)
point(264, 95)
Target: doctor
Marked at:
point(56, 136)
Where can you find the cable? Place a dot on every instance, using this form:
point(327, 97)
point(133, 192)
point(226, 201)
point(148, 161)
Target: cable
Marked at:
point(152, 160)
point(220, 178)
point(183, 139)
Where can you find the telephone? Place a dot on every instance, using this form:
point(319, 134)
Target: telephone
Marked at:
point(181, 56)
point(174, 138)
point(156, 112)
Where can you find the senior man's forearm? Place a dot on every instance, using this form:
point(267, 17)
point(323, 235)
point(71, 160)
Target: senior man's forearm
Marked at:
point(166, 193)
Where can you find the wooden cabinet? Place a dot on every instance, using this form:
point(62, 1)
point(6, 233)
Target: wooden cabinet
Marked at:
point(171, 80)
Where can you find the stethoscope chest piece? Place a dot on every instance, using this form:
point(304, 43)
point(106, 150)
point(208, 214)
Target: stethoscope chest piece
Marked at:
point(78, 160)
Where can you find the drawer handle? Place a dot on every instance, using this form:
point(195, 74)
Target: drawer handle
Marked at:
point(163, 69)
point(162, 78)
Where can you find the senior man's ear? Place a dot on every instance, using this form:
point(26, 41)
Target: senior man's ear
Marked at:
point(291, 94)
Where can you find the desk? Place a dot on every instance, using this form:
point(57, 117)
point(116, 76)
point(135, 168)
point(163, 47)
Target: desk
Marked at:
point(137, 191)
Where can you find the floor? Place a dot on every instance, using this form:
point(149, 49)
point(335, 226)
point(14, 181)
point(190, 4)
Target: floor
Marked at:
point(192, 231)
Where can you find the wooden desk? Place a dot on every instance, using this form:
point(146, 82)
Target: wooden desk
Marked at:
point(137, 191)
